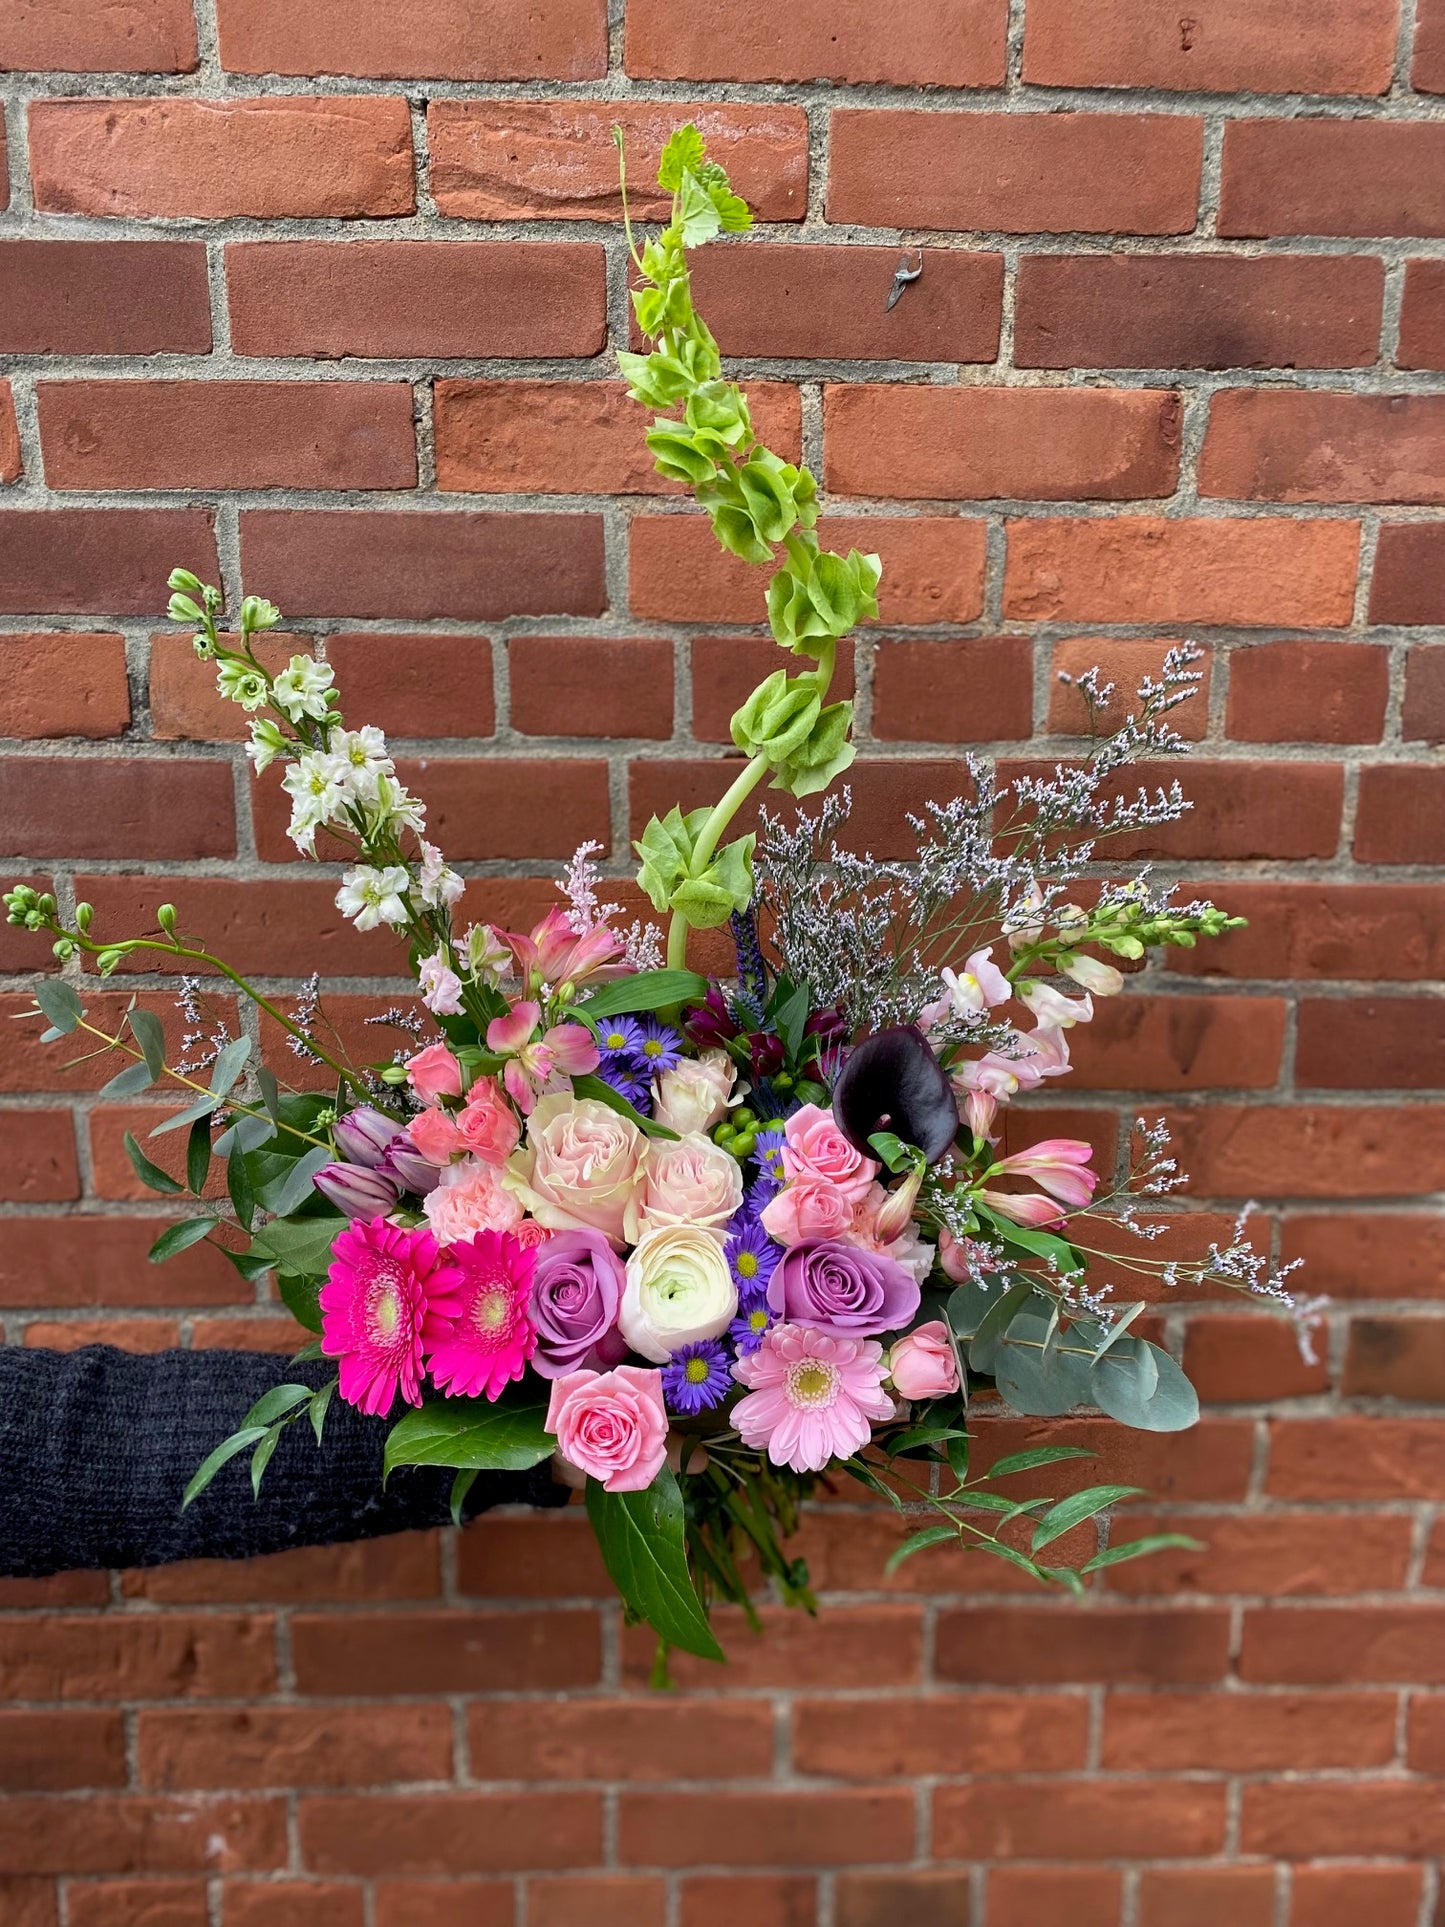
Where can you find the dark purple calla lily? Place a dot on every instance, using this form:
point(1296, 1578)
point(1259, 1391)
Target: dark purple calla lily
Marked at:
point(893, 1082)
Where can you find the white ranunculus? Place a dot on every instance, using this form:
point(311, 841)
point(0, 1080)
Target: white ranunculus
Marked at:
point(679, 1291)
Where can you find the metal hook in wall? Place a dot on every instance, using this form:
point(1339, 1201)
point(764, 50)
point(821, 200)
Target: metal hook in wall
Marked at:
point(902, 275)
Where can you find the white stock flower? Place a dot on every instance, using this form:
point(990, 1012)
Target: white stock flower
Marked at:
point(437, 884)
point(363, 758)
point(441, 987)
point(302, 689)
point(314, 786)
point(487, 955)
point(393, 807)
point(241, 684)
point(266, 744)
point(370, 896)
point(679, 1291)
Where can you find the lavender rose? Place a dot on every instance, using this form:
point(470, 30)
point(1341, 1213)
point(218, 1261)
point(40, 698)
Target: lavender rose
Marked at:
point(839, 1288)
point(576, 1289)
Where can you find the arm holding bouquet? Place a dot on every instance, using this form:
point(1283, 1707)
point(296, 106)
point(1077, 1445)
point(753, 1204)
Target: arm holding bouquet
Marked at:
point(706, 1242)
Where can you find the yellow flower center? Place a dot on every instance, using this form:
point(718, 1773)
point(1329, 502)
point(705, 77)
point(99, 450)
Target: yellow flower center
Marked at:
point(388, 1313)
point(812, 1382)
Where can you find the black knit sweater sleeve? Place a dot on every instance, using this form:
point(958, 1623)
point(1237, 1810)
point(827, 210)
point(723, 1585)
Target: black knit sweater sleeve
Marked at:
point(97, 1446)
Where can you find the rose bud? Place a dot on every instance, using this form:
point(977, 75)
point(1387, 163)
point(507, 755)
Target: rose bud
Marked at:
point(359, 1192)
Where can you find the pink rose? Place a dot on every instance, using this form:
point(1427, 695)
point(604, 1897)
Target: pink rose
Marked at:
point(694, 1094)
point(815, 1151)
point(690, 1181)
point(488, 1125)
point(529, 1234)
point(434, 1073)
point(579, 1166)
point(922, 1364)
point(806, 1210)
point(470, 1198)
point(434, 1133)
point(611, 1425)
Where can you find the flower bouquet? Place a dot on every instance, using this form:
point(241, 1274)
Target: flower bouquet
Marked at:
point(701, 1241)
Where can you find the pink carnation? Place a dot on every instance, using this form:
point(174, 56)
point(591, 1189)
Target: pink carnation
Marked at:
point(611, 1425)
point(387, 1287)
point(470, 1198)
point(811, 1396)
point(485, 1339)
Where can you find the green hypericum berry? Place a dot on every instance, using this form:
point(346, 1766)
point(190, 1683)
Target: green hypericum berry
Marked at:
point(744, 1145)
point(743, 1116)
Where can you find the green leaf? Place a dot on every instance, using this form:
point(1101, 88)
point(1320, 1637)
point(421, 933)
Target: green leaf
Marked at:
point(1034, 1373)
point(932, 1432)
point(473, 1434)
point(698, 218)
point(461, 1486)
point(1138, 1548)
point(238, 1185)
point(275, 1404)
point(229, 1065)
point(245, 1131)
point(789, 1015)
point(198, 1155)
point(302, 1298)
point(1007, 1553)
point(586, 1085)
point(146, 1029)
point(919, 1542)
point(1056, 1252)
point(283, 1194)
point(1036, 1456)
point(261, 1458)
point(643, 1540)
point(648, 990)
point(1078, 1507)
point(180, 1237)
point(300, 1247)
point(983, 1346)
point(223, 1454)
point(59, 1003)
point(127, 1082)
point(320, 1404)
point(684, 153)
point(183, 1120)
point(1123, 1319)
point(270, 1092)
point(1140, 1385)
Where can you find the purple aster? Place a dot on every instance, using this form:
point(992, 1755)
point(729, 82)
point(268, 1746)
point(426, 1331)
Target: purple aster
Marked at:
point(628, 1081)
point(752, 1257)
point(748, 1328)
point(696, 1378)
point(768, 1152)
point(661, 1046)
point(620, 1037)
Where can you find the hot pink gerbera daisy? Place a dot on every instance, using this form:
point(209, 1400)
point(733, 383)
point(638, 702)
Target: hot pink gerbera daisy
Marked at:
point(811, 1396)
point(486, 1336)
point(383, 1282)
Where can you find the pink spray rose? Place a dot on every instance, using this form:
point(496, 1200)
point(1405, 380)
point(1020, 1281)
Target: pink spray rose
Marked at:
point(815, 1151)
point(611, 1425)
point(434, 1133)
point(921, 1363)
point(434, 1073)
point(470, 1198)
point(487, 1124)
point(807, 1210)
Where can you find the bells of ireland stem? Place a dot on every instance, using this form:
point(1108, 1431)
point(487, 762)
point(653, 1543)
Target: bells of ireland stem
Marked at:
point(359, 1192)
point(364, 1135)
point(893, 1082)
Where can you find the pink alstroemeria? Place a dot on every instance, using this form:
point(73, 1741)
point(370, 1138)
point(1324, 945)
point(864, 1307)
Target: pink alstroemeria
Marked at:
point(1058, 1165)
point(554, 954)
point(1030, 1208)
point(532, 1063)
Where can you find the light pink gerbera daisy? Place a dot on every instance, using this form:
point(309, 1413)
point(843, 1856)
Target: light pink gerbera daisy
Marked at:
point(486, 1336)
point(383, 1282)
point(810, 1396)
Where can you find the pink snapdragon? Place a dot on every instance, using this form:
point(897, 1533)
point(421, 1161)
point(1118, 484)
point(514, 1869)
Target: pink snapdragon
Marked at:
point(611, 1425)
point(1058, 1165)
point(484, 1339)
point(537, 1064)
point(388, 1289)
point(977, 988)
point(811, 1396)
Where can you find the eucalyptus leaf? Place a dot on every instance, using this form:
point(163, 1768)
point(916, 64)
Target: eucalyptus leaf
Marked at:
point(300, 1247)
point(270, 1092)
point(284, 1193)
point(245, 1132)
point(238, 1186)
point(1035, 1375)
point(473, 1434)
point(198, 1156)
point(59, 1003)
point(180, 1237)
point(983, 1346)
point(183, 1120)
point(128, 1082)
point(643, 1540)
point(223, 1454)
point(146, 1029)
point(1140, 1385)
point(229, 1065)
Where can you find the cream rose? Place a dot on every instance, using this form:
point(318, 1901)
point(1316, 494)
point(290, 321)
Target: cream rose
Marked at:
point(693, 1095)
point(579, 1167)
point(687, 1181)
point(679, 1290)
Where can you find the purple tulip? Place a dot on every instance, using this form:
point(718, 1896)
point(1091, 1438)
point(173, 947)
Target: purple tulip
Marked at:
point(576, 1290)
point(842, 1289)
point(406, 1164)
point(364, 1135)
point(358, 1192)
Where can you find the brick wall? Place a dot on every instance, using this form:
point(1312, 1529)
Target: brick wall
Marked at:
point(327, 293)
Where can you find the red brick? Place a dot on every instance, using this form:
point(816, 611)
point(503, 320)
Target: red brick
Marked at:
point(1024, 1896)
point(1382, 1255)
point(445, 1903)
point(930, 1899)
point(1334, 1894)
point(963, 444)
point(1124, 663)
point(1211, 1461)
point(444, 1652)
point(1197, 311)
point(932, 568)
point(1223, 46)
point(1409, 573)
point(726, 670)
point(1380, 1043)
point(1400, 815)
point(620, 1740)
point(1308, 692)
point(506, 1555)
point(921, 44)
point(80, 1261)
point(104, 298)
point(867, 1645)
point(1422, 316)
point(771, 1900)
point(31, 1903)
point(45, 1752)
point(143, 808)
point(91, 1656)
point(1278, 1554)
point(10, 460)
point(840, 1827)
point(1021, 1644)
point(604, 1900)
point(572, 438)
point(1255, 573)
point(37, 1156)
point(509, 40)
point(404, 1565)
point(1357, 1458)
point(1423, 717)
point(1396, 1358)
point(1341, 1817)
point(63, 685)
point(4, 173)
point(181, 689)
point(125, 1334)
point(495, 160)
point(1395, 932)
point(1333, 177)
point(449, 1832)
point(977, 690)
point(1015, 173)
point(591, 685)
point(292, 1903)
point(1427, 1732)
point(121, 1833)
point(1283, 445)
point(227, 434)
point(421, 685)
point(1200, 1896)
point(286, 154)
point(1080, 1820)
point(286, 1746)
point(802, 301)
point(1311, 1151)
point(943, 1734)
point(149, 37)
point(98, 561)
point(1250, 1359)
point(1247, 1732)
point(397, 298)
point(140, 1903)
point(1181, 1043)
